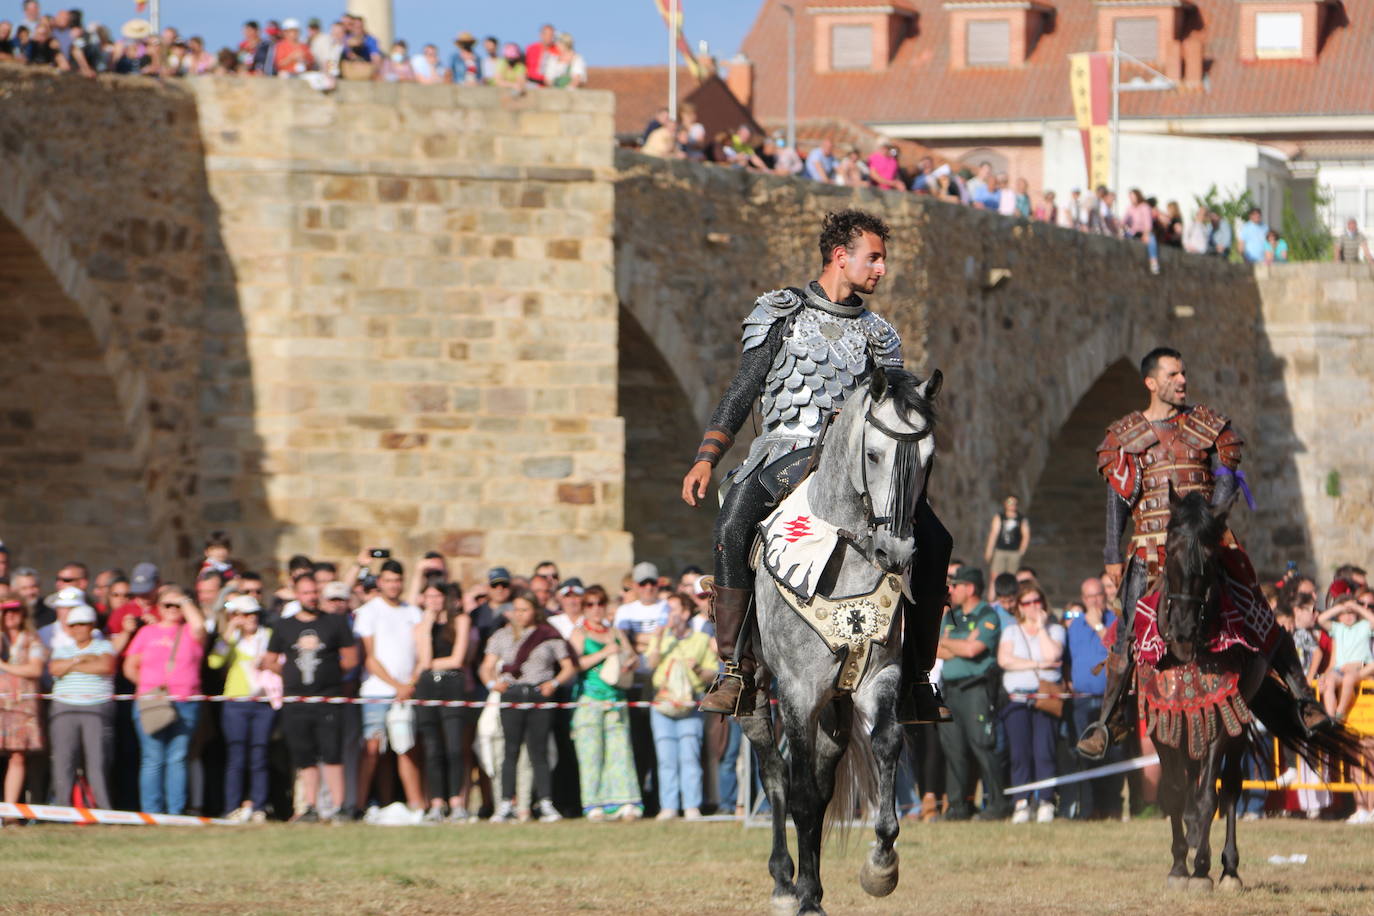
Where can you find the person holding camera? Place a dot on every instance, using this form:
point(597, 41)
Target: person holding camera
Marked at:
point(526, 662)
point(164, 659)
point(386, 627)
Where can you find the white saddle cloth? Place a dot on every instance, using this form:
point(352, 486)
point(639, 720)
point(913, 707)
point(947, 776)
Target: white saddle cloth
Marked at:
point(797, 544)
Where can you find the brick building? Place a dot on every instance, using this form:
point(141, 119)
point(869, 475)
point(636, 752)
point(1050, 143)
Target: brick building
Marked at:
point(1267, 94)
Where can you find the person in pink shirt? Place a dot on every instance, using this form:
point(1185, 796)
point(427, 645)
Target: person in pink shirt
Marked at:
point(166, 655)
point(883, 168)
point(1139, 223)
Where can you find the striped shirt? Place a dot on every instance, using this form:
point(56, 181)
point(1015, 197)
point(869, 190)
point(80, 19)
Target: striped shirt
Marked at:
point(80, 688)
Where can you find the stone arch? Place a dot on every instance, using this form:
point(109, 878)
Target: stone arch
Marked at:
point(661, 435)
point(75, 488)
point(1065, 504)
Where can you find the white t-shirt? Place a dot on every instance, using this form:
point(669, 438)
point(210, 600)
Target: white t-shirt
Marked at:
point(392, 628)
point(1027, 647)
point(638, 617)
point(563, 624)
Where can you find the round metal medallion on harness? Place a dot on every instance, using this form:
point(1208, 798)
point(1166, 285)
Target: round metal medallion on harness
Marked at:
point(831, 331)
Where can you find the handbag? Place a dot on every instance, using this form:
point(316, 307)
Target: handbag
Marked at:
point(618, 670)
point(155, 710)
point(400, 727)
point(675, 697)
point(1051, 705)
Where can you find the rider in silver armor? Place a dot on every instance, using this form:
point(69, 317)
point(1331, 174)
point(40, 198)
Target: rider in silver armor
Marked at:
point(804, 351)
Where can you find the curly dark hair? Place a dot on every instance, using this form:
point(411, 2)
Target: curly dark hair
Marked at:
point(845, 227)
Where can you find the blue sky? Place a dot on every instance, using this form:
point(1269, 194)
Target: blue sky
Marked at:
point(608, 32)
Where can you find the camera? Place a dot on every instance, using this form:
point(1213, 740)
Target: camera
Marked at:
point(378, 553)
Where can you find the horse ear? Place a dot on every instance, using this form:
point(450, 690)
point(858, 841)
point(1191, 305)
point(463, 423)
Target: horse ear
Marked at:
point(1173, 495)
point(931, 386)
point(877, 383)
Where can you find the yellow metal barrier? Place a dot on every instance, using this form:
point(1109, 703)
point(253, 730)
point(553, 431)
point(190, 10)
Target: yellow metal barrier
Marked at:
point(1361, 720)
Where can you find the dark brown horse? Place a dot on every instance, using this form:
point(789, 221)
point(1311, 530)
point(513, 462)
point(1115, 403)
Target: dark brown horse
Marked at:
point(1200, 706)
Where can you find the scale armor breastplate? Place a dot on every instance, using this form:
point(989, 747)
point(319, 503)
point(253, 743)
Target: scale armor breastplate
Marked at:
point(822, 359)
point(1189, 468)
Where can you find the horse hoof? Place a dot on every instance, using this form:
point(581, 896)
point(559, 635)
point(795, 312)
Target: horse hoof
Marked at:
point(784, 903)
point(878, 880)
point(1200, 885)
point(1231, 883)
point(1176, 882)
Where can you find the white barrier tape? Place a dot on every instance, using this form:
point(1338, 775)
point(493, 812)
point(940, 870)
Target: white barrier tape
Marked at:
point(1111, 769)
point(361, 701)
point(65, 815)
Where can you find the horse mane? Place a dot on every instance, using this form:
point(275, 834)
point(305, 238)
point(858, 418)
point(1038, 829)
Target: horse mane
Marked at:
point(1193, 531)
point(904, 388)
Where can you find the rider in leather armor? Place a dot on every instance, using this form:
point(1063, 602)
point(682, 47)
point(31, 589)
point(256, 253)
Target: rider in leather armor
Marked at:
point(1196, 449)
point(805, 351)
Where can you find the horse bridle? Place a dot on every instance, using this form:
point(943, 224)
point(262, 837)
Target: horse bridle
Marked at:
point(1204, 600)
point(874, 520)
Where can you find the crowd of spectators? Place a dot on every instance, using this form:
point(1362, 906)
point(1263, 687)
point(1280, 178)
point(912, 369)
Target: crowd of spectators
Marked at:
point(542, 667)
point(1142, 219)
point(320, 52)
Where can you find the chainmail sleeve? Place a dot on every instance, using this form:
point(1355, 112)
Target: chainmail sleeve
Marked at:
point(738, 401)
point(1117, 513)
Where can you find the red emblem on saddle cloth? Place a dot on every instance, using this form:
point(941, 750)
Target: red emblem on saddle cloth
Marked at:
point(1246, 620)
point(797, 529)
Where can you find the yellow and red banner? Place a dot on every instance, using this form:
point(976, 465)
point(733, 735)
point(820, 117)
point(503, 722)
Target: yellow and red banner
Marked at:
point(683, 48)
point(1090, 85)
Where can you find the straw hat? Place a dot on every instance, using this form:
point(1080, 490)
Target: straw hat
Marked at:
point(137, 29)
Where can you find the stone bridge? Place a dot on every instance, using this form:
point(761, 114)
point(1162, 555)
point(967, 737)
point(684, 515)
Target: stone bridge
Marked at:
point(414, 316)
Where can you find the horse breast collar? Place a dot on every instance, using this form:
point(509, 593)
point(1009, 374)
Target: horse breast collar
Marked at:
point(795, 547)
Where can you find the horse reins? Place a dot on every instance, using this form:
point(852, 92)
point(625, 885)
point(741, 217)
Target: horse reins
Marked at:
point(903, 469)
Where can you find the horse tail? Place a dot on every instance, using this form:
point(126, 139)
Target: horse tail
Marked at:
point(1275, 706)
point(856, 780)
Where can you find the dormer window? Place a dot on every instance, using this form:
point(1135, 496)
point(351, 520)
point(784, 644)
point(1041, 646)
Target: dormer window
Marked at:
point(994, 33)
point(1281, 29)
point(1148, 30)
point(862, 36)
point(851, 47)
point(1278, 34)
point(988, 42)
point(1138, 36)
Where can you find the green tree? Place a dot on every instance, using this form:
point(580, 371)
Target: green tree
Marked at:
point(1306, 242)
point(1232, 208)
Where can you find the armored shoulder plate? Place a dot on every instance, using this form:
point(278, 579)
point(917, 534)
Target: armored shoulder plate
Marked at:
point(883, 337)
point(1201, 427)
point(1131, 434)
point(768, 308)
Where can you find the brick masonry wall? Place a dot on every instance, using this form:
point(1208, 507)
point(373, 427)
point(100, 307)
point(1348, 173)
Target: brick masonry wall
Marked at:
point(424, 277)
point(1316, 484)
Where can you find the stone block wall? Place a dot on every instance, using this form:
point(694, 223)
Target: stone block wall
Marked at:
point(1318, 321)
point(427, 349)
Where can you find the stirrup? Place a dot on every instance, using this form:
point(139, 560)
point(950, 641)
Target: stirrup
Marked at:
point(725, 695)
point(1090, 745)
point(922, 704)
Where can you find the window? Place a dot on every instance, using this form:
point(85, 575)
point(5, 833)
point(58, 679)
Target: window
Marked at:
point(989, 43)
point(851, 47)
point(1138, 37)
point(1278, 34)
point(1345, 204)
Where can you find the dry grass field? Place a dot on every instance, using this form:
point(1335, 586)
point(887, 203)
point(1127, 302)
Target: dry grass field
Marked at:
point(649, 869)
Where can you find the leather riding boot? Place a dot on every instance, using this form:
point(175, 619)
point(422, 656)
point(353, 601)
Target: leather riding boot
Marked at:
point(737, 681)
point(1110, 726)
point(920, 700)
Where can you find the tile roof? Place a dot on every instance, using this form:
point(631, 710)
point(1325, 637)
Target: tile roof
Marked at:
point(641, 91)
point(920, 86)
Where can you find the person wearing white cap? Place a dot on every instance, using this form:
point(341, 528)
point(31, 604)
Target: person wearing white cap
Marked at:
point(290, 56)
point(81, 717)
point(643, 616)
point(242, 650)
point(56, 634)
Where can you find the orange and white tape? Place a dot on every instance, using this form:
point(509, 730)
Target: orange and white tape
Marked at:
point(64, 815)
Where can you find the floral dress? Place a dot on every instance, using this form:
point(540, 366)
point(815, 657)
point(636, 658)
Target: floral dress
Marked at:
point(19, 728)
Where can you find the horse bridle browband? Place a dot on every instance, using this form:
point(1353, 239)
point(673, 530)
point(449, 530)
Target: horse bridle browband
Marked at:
point(874, 520)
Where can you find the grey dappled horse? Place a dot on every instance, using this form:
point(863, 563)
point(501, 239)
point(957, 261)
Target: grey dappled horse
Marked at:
point(868, 480)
